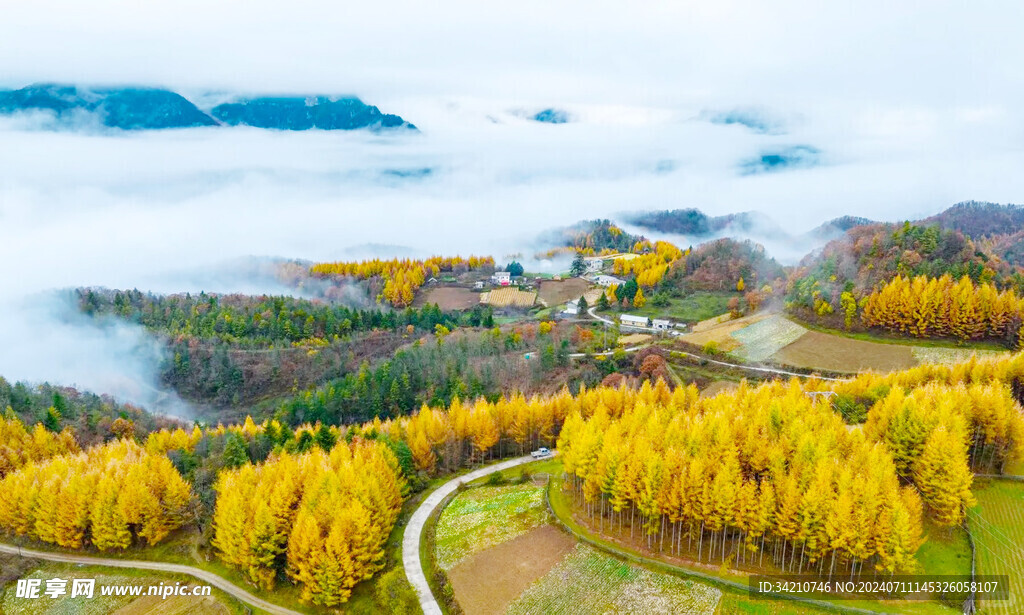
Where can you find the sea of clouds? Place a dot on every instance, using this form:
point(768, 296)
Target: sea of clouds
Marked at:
point(911, 108)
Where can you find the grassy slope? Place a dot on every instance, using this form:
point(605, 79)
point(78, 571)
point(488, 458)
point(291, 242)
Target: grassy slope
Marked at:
point(947, 551)
point(997, 525)
point(695, 307)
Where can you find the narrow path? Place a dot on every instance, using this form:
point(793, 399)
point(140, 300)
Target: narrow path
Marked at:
point(414, 531)
point(767, 370)
point(214, 580)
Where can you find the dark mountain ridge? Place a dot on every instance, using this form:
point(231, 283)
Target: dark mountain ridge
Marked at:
point(142, 108)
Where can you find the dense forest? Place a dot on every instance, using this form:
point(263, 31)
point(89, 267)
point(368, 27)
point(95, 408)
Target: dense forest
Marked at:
point(399, 279)
point(235, 350)
point(594, 237)
point(718, 265)
point(261, 321)
point(468, 365)
point(92, 418)
point(940, 307)
point(872, 255)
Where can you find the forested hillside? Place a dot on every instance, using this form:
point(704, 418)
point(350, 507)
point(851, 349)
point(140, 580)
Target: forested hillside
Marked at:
point(720, 264)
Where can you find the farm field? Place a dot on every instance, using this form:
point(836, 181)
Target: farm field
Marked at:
point(935, 354)
point(588, 581)
point(482, 517)
point(775, 338)
point(555, 292)
point(997, 525)
point(448, 298)
point(719, 330)
point(487, 582)
point(835, 353)
point(105, 605)
point(761, 340)
point(508, 297)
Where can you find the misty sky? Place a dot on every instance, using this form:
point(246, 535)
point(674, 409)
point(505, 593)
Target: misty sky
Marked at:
point(913, 107)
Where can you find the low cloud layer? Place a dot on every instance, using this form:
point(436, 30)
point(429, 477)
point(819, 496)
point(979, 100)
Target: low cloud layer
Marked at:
point(907, 117)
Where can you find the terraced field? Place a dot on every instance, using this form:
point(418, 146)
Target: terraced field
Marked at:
point(508, 297)
point(483, 517)
point(587, 581)
point(997, 525)
point(761, 340)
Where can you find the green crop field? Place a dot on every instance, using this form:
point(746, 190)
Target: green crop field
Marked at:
point(695, 307)
point(997, 525)
point(588, 581)
point(482, 517)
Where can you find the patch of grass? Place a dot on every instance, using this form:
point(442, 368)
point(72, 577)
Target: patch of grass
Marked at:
point(588, 581)
point(997, 525)
point(737, 604)
point(947, 551)
point(482, 517)
point(697, 306)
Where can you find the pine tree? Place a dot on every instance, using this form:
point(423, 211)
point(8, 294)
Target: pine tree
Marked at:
point(943, 476)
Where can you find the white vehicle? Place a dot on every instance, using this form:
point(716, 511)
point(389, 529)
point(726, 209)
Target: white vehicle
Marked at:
point(540, 452)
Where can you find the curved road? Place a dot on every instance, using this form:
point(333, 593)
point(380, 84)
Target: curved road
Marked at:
point(414, 531)
point(202, 575)
point(767, 370)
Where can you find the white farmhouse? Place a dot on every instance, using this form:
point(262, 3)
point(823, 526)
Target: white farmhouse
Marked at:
point(628, 320)
point(608, 280)
point(501, 278)
point(594, 263)
point(661, 324)
point(572, 308)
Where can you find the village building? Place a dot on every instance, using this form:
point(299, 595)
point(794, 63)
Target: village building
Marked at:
point(608, 280)
point(572, 308)
point(501, 278)
point(628, 320)
point(661, 324)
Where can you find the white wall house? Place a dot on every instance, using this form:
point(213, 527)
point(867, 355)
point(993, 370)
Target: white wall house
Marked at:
point(572, 308)
point(608, 280)
point(594, 263)
point(501, 278)
point(628, 320)
point(661, 324)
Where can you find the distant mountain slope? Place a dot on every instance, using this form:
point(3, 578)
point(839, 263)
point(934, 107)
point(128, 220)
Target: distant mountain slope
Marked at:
point(980, 219)
point(303, 113)
point(139, 108)
point(125, 108)
point(551, 116)
point(837, 226)
point(697, 225)
point(694, 222)
point(719, 264)
point(591, 236)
